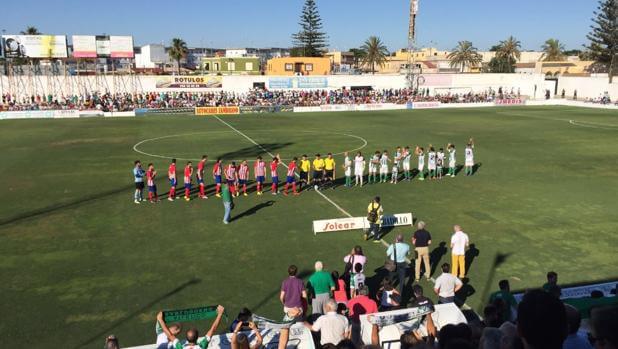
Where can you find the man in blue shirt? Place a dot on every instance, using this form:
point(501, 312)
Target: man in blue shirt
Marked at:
point(138, 174)
point(398, 253)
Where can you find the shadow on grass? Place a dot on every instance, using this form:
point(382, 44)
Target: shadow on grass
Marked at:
point(253, 151)
point(435, 256)
point(57, 207)
point(107, 330)
point(253, 210)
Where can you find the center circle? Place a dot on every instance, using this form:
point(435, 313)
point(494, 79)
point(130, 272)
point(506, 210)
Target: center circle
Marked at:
point(231, 146)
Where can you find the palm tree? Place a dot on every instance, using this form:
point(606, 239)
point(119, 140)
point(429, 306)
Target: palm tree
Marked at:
point(374, 53)
point(465, 54)
point(178, 51)
point(553, 50)
point(509, 49)
point(30, 30)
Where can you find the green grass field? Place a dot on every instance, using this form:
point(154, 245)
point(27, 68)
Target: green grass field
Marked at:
point(80, 260)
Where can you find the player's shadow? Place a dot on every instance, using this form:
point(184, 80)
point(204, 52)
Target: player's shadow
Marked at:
point(458, 169)
point(71, 204)
point(253, 151)
point(464, 292)
point(470, 255)
point(253, 210)
point(436, 255)
point(476, 167)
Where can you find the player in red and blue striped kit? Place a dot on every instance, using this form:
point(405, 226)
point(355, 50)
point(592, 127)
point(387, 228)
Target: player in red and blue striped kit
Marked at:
point(150, 181)
point(243, 176)
point(216, 174)
point(291, 177)
point(259, 168)
point(230, 177)
point(274, 175)
point(171, 175)
point(200, 177)
point(187, 180)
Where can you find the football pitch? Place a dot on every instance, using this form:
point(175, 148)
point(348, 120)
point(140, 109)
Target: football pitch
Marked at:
point(79, 260)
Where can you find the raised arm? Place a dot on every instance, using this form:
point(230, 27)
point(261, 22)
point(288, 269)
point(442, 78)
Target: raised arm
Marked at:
point(166, 330)
point(234, 339)
point(258, 336)
point(215, 324)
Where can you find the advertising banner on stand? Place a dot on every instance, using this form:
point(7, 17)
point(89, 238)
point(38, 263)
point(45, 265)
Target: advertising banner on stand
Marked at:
point(190, 82)
point(201, 111)
point(121, 46)
point(354, 223)
point(35, 46)
point(84, 46)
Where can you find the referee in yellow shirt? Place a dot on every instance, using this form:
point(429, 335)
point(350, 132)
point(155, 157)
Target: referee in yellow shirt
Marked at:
point(318, 171)
point(329, 171)
point(305, 167)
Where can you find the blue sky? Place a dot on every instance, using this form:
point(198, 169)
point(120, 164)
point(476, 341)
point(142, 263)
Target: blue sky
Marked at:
point(264, 23)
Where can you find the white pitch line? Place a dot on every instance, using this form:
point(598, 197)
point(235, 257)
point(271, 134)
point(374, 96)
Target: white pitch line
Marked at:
point(384, 243)
point(593, 125)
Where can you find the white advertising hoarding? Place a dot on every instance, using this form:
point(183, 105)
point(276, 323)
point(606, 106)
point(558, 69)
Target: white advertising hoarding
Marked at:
point(35, 46)
point(84, 46)
point(121, 46)
point(354, 223)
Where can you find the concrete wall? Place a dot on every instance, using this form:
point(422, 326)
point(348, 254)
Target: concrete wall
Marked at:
point(590, 87)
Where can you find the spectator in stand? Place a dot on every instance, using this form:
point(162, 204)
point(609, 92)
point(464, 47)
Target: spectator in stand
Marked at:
point(454, 336)
point(575, 340)
point(192, 341)
point(320, 286)
point(241, 341)
point(491, 338)
point(357, 306)
point(388, 296)
point(111, 342)
point(355, 256)
point(446, 285)
point(292, 293)
point(357, 280)
point(340, 293)
point(244, 315)
point(333, 327)
point(421, 241)
point(459, 243)
point(421, 301)
point(541, 321)
point(398, 252)
point(551, 285)
point(508, 301)
point(604, 323)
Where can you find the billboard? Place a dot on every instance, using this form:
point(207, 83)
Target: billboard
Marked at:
point(121, 46)
point(201, 111)
point(84, 46)
point(189, 82)
point(35, 46)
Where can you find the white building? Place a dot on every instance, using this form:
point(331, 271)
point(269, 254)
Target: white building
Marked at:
point(151, 56)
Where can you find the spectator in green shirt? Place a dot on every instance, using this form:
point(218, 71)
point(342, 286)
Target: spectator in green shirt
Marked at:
point(505, 299)
point(551, 285)
point(228, 203)
point(320, 285)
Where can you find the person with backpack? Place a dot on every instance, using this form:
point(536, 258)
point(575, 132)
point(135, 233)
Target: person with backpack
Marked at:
point(374, 216)
point(397, 254)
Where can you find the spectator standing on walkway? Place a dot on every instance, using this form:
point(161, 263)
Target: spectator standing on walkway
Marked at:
point(320, 286)
point(446, 285)
point(398, 253)
point(459, 243)
point(292, 293)
point(421, 241)
point(506, 300)
point(228, 203)
point(551, 285)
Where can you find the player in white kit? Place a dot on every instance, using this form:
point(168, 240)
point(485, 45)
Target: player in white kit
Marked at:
point(384, 160)
point(347, 168)
point(406, 157)
point(469, 153)
point(452, 163)
point(431, 162)
point(374, 162)
point(359, 168)
point(420, 152)
point(396, 161)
